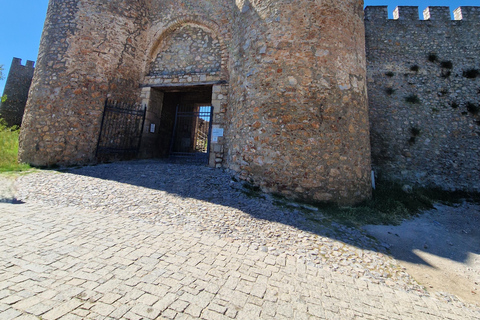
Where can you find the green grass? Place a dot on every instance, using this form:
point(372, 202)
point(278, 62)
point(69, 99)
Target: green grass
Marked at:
point(9, 149)
point(389, 205)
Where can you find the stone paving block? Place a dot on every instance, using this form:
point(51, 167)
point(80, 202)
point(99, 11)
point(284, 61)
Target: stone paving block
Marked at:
point(165, 301)
point(38, 309)
point(9, 314)
point(217, 308)
point(26, 303)
point(102, 308)
point(193, 310)
point(249, 311)
point(169, 314)
point(61, 310)
point(147, 299)
point(73, 317)
point(212, 315)
point(145, 311)
point(12, 299)
point(179, 305)
point(120, 310)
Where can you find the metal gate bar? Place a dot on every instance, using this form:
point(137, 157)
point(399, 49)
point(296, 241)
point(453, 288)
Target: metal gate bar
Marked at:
point(192, 133)
point(121, 129)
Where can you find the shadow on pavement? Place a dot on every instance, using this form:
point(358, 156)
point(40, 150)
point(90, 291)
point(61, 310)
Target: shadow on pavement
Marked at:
point(216, 186)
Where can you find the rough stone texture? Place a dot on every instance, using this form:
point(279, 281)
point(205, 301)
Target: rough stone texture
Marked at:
point(434, 141)
point(288, 85)
point(16, 89)
point(188, 50)
point(298, 119)
point(88, 51)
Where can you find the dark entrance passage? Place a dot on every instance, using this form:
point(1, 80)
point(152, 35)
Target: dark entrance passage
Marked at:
point(191, 133)
point(185, 122)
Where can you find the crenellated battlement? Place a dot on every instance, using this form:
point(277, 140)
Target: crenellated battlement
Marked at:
point(405, 13)
point(467, 13)
point(431, 13)
point(18, 62)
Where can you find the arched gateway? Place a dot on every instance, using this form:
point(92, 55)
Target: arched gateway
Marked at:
point(285, 80)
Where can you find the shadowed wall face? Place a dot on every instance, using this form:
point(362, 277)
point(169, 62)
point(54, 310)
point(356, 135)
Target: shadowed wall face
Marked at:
point(424, 95)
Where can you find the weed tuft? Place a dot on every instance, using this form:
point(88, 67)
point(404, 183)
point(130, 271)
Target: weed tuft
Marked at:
point(9, 149)
point(446, 64)
point(472, 108)
point(389, 91)
point(471, 73)
point(415, 131)
point(389, 74)
point(446, 74)
point(413, 99)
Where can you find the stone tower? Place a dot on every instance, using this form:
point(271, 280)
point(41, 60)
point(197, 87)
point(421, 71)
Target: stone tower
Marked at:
point(298, 112)
point(286, 79)
point(16, 89)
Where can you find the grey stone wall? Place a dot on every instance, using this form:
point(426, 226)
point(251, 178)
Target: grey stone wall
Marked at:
point(16, 89)
point(424, 95)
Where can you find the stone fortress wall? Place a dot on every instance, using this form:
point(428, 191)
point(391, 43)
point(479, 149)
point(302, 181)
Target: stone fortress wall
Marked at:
point(424, 95)
point(16, 89)
point(287, 80)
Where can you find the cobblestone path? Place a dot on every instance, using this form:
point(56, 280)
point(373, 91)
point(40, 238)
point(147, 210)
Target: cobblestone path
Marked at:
point(146, 250)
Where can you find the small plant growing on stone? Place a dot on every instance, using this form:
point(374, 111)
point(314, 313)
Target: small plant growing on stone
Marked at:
point(415, 131)
point(414, 68)
point(432, 57)
point(389, 91)
point(389, 74)
point(472, 108)
point(413, 99)
point(446, 64)
point(471, 73)
point(443, 92)
point(454, 105)
point(446, 74)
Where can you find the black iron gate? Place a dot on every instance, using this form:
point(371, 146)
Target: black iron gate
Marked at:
point(191, 133)
point(121, 130)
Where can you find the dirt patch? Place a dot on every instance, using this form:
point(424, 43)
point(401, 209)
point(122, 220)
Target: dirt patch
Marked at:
point(440, 249)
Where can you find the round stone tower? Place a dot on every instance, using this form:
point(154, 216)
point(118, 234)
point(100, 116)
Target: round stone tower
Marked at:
point(88, 51)
point(298, 120)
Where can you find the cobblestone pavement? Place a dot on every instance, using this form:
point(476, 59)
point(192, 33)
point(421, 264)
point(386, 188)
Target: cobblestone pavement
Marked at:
point(142, 246)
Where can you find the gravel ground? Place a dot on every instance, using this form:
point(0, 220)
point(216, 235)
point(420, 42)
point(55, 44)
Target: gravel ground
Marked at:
point(208, 200)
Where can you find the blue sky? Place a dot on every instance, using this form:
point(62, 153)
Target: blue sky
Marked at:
point(21, 24)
